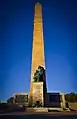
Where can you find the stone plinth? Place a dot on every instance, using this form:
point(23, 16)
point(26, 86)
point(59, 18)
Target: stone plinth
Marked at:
point(37, 93)
point(37, 110)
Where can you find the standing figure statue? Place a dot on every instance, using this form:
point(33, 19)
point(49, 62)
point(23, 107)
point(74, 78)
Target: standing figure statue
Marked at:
point(38, 74)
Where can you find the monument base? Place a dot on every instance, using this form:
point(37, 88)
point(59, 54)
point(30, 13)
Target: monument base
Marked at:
point(37, 109)
point(42, 109)
point(37, 94)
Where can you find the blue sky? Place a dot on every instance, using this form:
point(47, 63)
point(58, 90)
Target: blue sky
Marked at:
point(60, 38)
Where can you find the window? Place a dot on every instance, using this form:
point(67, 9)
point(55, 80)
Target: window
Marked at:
point(21, 98)
point(54, 98)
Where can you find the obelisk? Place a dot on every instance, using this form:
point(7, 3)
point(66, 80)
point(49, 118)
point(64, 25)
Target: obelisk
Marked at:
point(38, 42)
point(38, 58)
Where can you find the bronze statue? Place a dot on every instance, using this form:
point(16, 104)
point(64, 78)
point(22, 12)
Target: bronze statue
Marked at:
point(38, 74)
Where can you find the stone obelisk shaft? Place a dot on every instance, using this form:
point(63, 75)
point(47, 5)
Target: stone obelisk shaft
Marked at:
point(38, 43)
point(38, 46)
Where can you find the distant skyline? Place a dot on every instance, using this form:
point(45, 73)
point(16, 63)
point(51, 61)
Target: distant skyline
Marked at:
point(60, 40)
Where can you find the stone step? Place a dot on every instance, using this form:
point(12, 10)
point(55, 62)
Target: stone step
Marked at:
point(37, 109)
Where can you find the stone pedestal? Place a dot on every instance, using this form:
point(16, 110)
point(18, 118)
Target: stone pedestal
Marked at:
point(38, 93)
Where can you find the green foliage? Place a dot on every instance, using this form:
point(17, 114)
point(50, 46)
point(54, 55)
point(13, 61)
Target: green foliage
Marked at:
point(10, 100)
point(71, 97)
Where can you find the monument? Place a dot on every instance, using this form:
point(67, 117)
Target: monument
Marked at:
point(38, 58)
point(38, 95)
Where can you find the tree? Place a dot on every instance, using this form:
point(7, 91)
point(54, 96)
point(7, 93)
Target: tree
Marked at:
point(71, 97)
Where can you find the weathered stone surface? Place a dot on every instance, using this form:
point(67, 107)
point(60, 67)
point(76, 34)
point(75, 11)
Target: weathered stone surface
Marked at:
point(38, 43)
point(37, 110)
point(38, 93)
